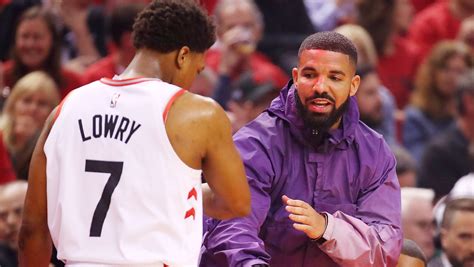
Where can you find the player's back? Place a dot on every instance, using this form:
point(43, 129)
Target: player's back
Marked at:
point(117, 191)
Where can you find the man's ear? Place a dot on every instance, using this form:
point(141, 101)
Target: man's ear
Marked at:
point(354, 85)
point(294, 74)
point(182, 56)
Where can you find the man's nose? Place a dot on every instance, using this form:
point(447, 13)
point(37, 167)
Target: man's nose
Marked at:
point(320, 85)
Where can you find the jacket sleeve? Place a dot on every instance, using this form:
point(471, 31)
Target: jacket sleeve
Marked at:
point(236, 242)
point(373, 237)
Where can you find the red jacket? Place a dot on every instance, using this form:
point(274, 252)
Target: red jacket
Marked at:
point(433, 24)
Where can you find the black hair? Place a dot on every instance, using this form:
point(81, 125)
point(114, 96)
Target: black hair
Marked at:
point(168, 25)
point(330, 41)
point(121, 20)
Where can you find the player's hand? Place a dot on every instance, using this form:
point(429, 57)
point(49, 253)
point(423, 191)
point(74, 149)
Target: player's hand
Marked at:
point(306, 219)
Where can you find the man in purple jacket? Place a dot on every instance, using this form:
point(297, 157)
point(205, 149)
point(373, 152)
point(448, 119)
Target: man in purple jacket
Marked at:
point(323, 184)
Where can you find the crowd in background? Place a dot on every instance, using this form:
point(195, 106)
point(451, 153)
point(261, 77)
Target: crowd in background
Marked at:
point(414, 57)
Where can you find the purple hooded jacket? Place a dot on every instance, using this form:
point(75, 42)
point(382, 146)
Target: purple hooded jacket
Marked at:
point(351, 177)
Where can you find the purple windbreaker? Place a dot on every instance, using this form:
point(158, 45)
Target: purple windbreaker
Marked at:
point(351, 177)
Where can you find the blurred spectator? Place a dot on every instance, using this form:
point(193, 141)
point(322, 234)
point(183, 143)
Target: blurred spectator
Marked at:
point(367, 56)
point(439, 21)
point(328, 14)
point(398, 58)
point(10, 11)
point(37, 47)
point(24, 113)
point(417, 218)
point(457, 234)
point(366, 53)
point(466, 33)
point(406, 167)
point(82, 27)
point(451, 155)
point(239, 29)
point(287, 24)
point(371, 104)
point(120, 29)
point(249, 100)
point(12, 197)
point(432, 104)
point(411, 255)
point(464, 188)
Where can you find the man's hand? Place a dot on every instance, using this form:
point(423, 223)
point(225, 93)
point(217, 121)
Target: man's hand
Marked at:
point(306, 219)
point(236, 46)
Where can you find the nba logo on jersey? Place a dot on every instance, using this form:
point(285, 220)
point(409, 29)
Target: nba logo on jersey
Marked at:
point(114, 99)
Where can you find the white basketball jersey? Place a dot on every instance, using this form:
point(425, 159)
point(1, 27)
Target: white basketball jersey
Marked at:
point(117, 192)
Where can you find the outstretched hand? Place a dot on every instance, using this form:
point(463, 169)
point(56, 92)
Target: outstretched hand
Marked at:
point(306, 219)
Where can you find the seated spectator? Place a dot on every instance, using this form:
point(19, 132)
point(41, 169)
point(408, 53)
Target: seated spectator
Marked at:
point(406, 167)
point(439, 21)
point(451, 155)
point(457, 234)
point(367, 58)
point(398, 58)
point(37, 47)
point(12, 197)
point(120, 28)
point(26, 109)
point(239, 29)
point(417, 218)
point(411, 255)
point(432, 105)
point(249, 100)
point(370, 102)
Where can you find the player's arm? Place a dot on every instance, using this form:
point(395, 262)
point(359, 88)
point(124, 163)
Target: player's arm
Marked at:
point(35, 244)
point(227, 193)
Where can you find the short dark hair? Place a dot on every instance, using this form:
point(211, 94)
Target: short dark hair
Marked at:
point(168, 25)
point(330, 41)
point(121, 20)
point(464, 86)
point(461, 204)
point(411, 249)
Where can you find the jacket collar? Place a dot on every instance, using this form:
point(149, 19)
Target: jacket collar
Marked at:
point(284, 107)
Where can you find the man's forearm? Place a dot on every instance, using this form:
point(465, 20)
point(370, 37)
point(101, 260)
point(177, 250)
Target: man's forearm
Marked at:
point(213, 206)
point(35, 248)
point(369, 245)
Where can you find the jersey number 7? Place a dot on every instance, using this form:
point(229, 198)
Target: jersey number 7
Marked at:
point(115, 170)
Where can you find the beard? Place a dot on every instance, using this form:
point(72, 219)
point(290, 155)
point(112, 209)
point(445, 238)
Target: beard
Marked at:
point(319, 123)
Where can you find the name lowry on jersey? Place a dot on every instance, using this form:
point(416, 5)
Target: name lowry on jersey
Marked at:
point(108, 126)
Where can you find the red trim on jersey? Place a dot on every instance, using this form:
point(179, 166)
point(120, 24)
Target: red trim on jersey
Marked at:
point(124, 82)
point(170, 102)
point(60, 106)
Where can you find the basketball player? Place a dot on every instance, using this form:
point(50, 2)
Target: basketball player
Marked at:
point(116, 175)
